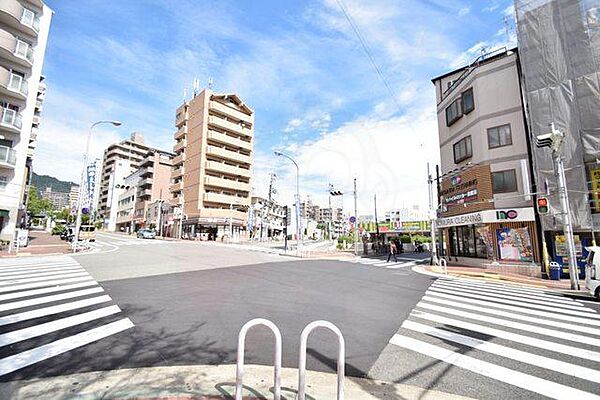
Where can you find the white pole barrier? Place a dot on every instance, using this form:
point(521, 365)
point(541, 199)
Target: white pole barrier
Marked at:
point(444, 265)
point(302, 362)
point(239, 377)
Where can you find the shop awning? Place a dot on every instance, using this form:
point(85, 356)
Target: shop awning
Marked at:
point(3, 213)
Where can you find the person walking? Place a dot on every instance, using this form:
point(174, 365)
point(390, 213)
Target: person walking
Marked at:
point(392, 252)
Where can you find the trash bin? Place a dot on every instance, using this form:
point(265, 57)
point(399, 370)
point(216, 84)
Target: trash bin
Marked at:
point(555, 271)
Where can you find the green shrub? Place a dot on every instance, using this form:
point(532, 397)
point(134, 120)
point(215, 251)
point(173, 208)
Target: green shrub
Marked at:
point(58, 229)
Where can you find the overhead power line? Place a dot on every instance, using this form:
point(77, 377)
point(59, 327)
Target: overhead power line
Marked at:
point(368, 52)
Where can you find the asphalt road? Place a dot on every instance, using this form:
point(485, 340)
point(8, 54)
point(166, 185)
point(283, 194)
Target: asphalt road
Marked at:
point(187, 302)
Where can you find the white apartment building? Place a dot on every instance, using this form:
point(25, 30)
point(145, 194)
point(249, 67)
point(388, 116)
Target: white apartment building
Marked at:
point(24, 27)
point(120, 169)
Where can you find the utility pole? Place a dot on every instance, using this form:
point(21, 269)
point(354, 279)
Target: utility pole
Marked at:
point(432, 218)
point(554, 140)
point(376, 221)
point(355, 221)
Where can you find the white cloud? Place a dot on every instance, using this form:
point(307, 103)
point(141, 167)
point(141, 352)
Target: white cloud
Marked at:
point(387, 157)
point(464, 11)
point(292, 125)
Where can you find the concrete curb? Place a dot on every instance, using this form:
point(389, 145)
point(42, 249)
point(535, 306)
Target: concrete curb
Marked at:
point(186, 382)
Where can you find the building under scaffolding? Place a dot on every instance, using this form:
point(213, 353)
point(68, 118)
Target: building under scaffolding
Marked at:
point(559, 46)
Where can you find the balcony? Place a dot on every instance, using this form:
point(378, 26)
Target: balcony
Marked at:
point(36, 120)
point(181, 132)
point(222, 108)
point(13, 14)
point(145, 194)
point(181, 117)
point(146, 171)
point(227, 184)
point(179, 159)
point(10, 120)
point(225, 139)
point(179, 146)
point(8, 157)
point(177, 172)
point(225, 199)
point(227, 169)
point(176, 187)
point(230, 126)
point(146, 182)
point(15, 50)
point(228, 154)
point(12, 84)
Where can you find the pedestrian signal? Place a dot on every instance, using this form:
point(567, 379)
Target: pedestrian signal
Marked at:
point(542, 205)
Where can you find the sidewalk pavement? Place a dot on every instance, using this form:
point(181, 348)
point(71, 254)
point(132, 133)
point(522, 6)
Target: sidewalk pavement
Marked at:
point(482, 273)
point(206, 382)
point(41, 243)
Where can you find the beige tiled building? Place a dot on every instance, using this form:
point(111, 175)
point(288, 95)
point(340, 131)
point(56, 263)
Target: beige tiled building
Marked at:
point(146, 185)
point(212, 165)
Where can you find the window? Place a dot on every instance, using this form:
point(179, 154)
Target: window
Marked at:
point(463, 150)
point(28, 17)
point(468, 104)
point(499, 136)
point(504, 181)
point(3, 182)
point(453, 112)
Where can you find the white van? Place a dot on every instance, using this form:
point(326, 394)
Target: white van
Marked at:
point(592, 271)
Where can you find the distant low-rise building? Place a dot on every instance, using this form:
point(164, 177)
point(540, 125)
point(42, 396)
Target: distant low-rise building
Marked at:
point(59, 200)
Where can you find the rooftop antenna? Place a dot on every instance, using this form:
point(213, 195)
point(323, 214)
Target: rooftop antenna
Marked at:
point(196, 86)
point(184, 95)
point(507, 30)
point(210, 83)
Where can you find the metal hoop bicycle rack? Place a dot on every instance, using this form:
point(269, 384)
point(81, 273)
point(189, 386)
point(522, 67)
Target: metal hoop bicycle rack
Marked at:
point(444, 265)
point(239, 378)
point(341, 361)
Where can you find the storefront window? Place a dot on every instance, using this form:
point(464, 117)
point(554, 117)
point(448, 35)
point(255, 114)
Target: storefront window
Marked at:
point(514, 244)
point(465, 242)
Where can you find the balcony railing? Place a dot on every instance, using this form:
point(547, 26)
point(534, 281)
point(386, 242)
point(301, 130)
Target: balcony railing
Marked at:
point(18, 84)
point(28, 18)
point(11, 118)
point(8, 156)
point(23, 50)
point(226, 139)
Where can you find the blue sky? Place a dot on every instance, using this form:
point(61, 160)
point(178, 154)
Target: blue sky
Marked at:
point(298, 64)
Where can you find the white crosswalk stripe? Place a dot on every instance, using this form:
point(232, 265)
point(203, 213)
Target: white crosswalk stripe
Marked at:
point(383, 263)
point(48, 306)
point(111, 242)
point(529, 338)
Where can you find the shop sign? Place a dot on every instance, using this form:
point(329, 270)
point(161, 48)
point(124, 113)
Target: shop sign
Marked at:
point(595, 181)
point(488, 217)
point(460, 192)
point(561, 247)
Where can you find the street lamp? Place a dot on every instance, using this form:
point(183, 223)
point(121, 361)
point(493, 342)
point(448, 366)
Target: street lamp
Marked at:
point(298, 227)
point(82, 182)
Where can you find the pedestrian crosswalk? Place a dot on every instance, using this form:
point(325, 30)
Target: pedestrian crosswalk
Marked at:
point(540, 342)
point(49, 306)
point(382, 262)
point(112, 242)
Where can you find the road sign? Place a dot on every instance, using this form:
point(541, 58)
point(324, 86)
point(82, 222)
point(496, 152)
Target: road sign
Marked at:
point(352, 219)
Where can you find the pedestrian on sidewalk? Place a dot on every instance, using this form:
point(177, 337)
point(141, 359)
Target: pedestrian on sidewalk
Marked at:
point(392, 251)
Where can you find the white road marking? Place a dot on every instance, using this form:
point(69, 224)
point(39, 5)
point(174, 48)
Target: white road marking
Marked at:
point(572, 310)
point(518, 296)
point(588, 320)
point(49, 299)
point(29, 357)
point(43, 312)
point(56, 325)
point(502, 374)
point(44, 284)
point(42, 273)
point(34, 292)
point(19, 281)
point(498, 286)
point(37, 267)
point(573, 337)
point(507, 352)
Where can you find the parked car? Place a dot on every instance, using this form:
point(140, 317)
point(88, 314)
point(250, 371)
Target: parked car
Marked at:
point(592, 271)
point(146, 234)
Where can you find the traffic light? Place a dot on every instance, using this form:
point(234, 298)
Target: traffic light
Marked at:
point(542, 205)
point(287, 215)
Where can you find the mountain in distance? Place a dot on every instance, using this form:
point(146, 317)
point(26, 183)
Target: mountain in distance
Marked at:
point(41, 182)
